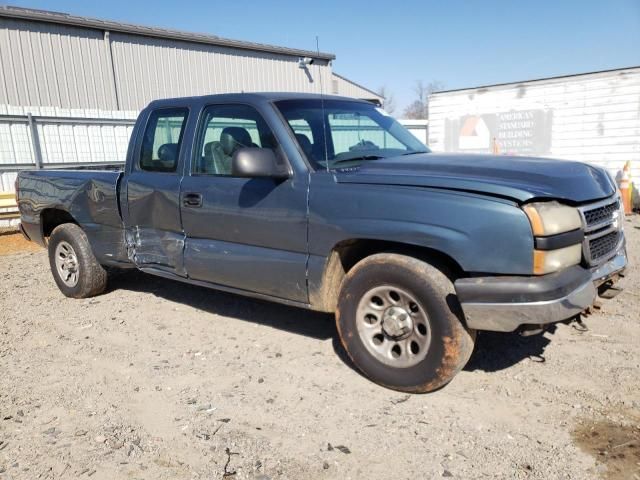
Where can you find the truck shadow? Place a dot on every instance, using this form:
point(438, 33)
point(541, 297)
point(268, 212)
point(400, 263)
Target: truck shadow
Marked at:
point(493, 352)
point(290, 319)
point(498, 351)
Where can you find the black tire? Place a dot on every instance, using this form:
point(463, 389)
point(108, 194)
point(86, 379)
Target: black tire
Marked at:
point(450, 343)
point(91, 277)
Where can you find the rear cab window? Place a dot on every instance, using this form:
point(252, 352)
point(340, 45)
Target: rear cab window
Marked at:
point(162, 140)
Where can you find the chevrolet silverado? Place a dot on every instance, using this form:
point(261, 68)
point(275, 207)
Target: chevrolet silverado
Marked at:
point(328, 203)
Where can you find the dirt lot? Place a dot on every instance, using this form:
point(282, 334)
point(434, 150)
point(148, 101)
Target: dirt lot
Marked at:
point(159, 380)
point(11, 242)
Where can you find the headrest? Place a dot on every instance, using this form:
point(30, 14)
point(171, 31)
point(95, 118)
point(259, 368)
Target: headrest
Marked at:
point(168, 152)
point(233, 138)
point(304, 142)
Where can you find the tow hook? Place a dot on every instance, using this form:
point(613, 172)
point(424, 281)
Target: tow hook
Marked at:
point(609, 290)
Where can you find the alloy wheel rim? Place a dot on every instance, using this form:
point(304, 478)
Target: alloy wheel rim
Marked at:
point(67, 264)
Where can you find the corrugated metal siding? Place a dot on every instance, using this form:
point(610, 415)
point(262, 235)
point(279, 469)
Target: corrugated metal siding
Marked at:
point(346, 88)
point(148, 31)
point(594, 117)
point(50, 64)
point(47, 64)
point(53, 65)
point(150, 68)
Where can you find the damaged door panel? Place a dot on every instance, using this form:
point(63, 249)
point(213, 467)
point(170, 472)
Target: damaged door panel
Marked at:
point(148, 247)
point(154, 230)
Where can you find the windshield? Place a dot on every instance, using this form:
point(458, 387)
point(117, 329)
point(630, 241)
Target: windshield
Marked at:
point(343, 133)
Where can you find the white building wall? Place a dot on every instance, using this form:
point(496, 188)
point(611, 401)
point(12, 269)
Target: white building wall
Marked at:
point(419, 128)
point(592, 117)
point(62, 143)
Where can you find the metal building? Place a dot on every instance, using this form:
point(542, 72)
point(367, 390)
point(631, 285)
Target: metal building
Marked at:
point(60, 60)
point(593, 117)
point(70, 87)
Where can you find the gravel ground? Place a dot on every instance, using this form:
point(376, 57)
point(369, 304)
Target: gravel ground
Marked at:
point(160, 380)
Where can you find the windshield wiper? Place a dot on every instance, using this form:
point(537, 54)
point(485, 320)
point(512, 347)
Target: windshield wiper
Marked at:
point(414, 153)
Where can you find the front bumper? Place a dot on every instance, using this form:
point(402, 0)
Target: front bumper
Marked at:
point(503, 304)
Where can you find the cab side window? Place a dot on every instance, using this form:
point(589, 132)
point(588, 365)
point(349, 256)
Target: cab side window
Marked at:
point(224, 130)
point(162, 140)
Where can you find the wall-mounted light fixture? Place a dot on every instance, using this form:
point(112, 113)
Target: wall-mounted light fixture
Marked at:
point(304, 62)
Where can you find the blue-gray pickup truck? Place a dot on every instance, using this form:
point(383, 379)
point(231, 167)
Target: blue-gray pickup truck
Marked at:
point(328, 203)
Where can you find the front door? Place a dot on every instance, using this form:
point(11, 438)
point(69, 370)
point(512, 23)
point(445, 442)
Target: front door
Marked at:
point(246, 233)
point(154, 232)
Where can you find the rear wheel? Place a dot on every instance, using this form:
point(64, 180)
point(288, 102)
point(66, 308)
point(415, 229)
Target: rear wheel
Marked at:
point(75, 269)
point(400, 322)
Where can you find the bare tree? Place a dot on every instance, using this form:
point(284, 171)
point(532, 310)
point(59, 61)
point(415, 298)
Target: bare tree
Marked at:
point(388, 101)
point(419, 108)
point(415, 110)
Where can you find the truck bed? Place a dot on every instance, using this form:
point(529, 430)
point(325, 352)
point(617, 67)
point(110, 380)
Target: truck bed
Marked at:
point(90, 196)
point(94, 167)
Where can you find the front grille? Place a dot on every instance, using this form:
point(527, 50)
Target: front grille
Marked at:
point(602, 246)
point(602, 230)
point(601, 214)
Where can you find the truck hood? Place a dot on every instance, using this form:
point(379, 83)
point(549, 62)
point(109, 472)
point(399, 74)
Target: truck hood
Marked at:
point(518, 178)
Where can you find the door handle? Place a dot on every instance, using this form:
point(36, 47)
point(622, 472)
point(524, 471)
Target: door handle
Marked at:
point(192, 200)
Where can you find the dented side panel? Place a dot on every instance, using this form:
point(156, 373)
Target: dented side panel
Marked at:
point(154, 235)
point(90, 197)
point(148, 247)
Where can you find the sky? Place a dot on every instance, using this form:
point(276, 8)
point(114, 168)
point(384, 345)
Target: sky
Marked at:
point(394, 44)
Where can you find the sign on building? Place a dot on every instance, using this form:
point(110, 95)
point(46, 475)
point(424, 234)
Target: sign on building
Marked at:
point(521, 132)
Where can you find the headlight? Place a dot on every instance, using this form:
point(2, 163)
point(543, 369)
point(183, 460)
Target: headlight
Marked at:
point(551, 218)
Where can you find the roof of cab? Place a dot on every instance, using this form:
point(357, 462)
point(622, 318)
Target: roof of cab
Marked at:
point(250, 97)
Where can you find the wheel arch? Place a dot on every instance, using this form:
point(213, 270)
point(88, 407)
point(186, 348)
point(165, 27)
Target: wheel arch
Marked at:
point(50, 218)
point(344, 255)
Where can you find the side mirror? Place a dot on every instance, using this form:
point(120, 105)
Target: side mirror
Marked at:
point(258, 162)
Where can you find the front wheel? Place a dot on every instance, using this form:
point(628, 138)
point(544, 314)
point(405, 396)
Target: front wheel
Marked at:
point(75, 269)
point(400, 322)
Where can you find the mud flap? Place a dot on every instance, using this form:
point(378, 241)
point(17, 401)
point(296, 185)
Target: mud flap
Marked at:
point(148, 247)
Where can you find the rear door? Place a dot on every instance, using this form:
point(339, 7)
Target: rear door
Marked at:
point(246, 233)
point(154, 232)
